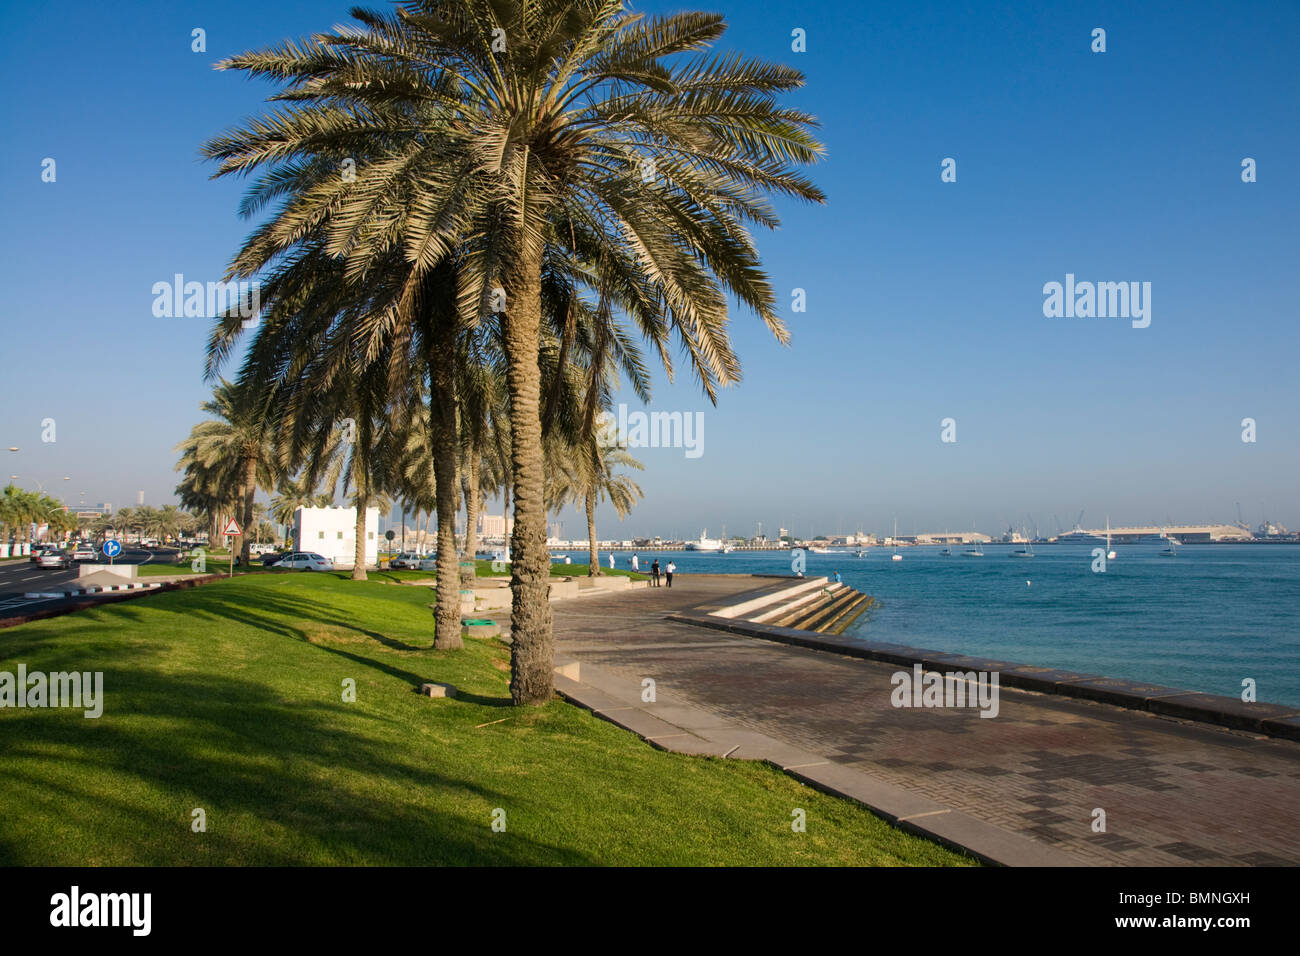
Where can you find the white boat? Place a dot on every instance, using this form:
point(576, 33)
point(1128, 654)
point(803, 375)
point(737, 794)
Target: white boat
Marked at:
point(705, 543)
point(1170, 550)
point(1110, 554)
point(897, 556)
point(946, 552)
point(1026, 552)
point(975, 552)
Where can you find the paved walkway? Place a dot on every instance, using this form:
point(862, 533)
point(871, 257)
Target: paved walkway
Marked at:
point(1174, 793)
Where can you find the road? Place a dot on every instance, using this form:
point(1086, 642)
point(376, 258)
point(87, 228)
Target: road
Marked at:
point(17, 578)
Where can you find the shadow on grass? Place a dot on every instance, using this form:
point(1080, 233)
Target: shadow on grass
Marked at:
point(282, 781)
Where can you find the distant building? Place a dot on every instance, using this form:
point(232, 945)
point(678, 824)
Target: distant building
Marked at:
point(495, 526)
point(331, 533)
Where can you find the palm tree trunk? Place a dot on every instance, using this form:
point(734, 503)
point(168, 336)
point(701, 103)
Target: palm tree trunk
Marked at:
point(532, 654)
point(471, 514)
point(442, 419)
point(593, 559)
point(359, 551)
point(250, 491)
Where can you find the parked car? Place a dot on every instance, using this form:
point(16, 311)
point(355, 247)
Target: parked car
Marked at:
point(274, 557)
point(407, 559)
point(428, 564)
point(305, 561)
point(53, 558)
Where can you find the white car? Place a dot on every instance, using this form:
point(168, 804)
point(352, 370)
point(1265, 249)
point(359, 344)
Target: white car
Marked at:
point(82, 552)
point(429, 564)
point(407, 559)
point(305, 561)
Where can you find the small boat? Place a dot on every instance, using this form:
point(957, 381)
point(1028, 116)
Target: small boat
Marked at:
point(1171, 549)
point(860, 553)
point(946, 552)
point(975, 552)
point(1110, 554)
point(1026, 552)
point(897, 556)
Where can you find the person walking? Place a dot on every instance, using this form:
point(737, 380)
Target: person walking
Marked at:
point(670, 569)
point(611, 560)
point(654, 574)
point(635, 566)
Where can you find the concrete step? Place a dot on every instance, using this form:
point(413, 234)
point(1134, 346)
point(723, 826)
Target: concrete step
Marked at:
point(766, 601)
point(846, 617)
point(829, 611)
point(800, 610)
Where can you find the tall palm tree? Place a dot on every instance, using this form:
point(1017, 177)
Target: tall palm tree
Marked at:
point(494, 155)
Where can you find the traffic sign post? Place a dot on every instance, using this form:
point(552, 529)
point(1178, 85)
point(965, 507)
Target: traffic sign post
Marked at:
point(112, 549)
point(232, 529)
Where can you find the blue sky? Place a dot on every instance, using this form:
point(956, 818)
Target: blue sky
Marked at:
point(924, 298)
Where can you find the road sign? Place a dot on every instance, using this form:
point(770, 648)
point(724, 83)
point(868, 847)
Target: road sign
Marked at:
point(111, 548)
point(232, 527)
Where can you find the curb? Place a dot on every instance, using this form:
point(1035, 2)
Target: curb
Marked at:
point(91, 590)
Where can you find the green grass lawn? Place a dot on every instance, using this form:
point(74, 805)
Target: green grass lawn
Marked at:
point(229, 697)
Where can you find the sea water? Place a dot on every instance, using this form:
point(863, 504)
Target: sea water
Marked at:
point(1205, 620)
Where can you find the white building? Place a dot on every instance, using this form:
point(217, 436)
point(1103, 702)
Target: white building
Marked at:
point(495, 526)
point(331, 532)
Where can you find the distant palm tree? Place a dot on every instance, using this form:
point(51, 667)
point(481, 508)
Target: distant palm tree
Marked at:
point(295, 493)
point(585, 477)
point(237, 444)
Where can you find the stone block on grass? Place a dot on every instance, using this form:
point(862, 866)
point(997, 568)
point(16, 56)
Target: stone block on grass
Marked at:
point(479, 627)
point(434, 689)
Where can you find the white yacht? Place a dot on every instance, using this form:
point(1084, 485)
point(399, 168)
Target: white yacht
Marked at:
point(705, 543)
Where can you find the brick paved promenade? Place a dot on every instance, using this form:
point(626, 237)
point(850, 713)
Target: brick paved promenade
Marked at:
point(1175, 793)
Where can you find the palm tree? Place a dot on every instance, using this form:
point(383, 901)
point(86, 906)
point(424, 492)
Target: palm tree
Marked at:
point(495, 156)
point(235, 445)
point(295, 493)
point(18, 509)
point(207, 491)
point(584, 476)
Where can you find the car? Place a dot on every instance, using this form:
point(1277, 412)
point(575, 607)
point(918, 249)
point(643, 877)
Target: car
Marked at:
point(81, 552)
point(53, 558)
point(428, 564)
point(274, 557)
point(39, 549)
point(407, 559)
point(305, 561)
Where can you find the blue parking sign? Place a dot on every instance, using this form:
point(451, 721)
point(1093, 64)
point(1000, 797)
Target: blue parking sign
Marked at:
point(112, 548)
